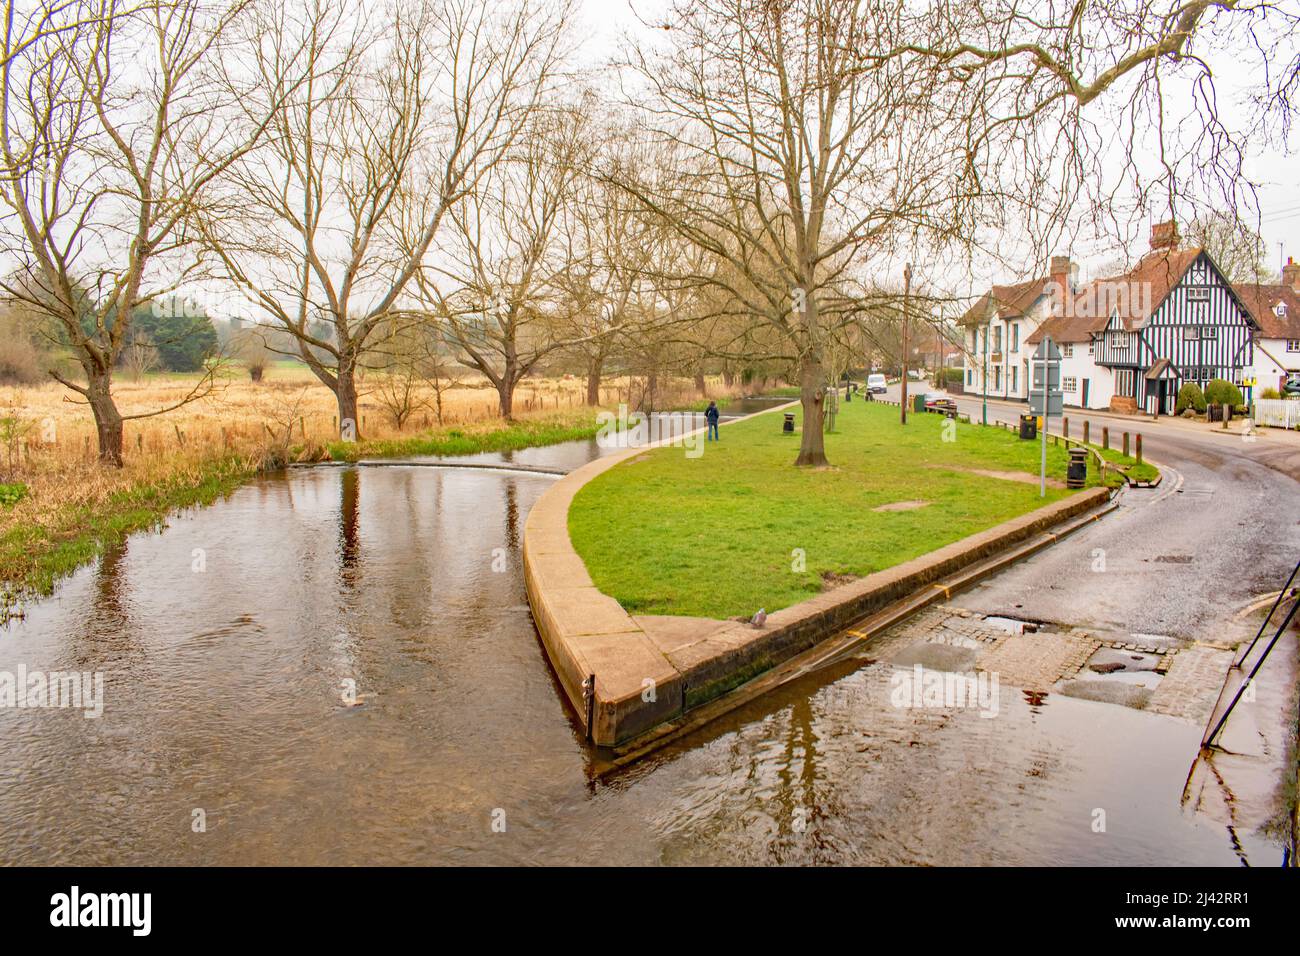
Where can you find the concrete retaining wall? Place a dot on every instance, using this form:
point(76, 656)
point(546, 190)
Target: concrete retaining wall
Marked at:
point(650, 669)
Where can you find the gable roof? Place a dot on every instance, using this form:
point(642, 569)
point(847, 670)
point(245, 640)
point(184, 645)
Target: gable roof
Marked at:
point(1262, 301)
point(1010, 301)
point(1158, 271)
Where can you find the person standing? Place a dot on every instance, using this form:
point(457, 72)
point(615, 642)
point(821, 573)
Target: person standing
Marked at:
point(711, 416)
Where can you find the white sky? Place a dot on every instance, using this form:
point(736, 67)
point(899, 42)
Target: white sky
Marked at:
point(1277, 172)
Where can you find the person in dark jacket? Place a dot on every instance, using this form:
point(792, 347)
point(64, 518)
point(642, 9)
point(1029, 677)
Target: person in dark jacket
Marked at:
point(711, 416)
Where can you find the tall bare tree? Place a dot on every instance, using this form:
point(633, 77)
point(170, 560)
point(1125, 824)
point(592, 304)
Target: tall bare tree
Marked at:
point(111, 136)
point(498, 284)
point(399, 118)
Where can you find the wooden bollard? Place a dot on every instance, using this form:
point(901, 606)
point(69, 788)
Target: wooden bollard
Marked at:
point(1065, 428)
point(1086, 423)
point(1138, 447)
point(1126, 444)
point(1105, 437)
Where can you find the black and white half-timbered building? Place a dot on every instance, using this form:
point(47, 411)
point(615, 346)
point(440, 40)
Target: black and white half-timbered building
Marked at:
point(1172, 319)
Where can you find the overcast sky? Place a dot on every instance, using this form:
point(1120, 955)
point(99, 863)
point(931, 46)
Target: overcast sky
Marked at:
point(1277, 173)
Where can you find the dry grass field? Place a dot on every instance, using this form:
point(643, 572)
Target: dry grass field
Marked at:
point(72, 505)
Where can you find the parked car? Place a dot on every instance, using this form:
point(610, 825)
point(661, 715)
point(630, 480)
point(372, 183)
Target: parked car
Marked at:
point(1291, 387)
point(876, 384)
point(938, 402)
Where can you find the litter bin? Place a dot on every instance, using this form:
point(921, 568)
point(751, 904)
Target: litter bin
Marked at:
point(787, 427)
point(1076, 476)
point(918, 403)
point(1028, 426)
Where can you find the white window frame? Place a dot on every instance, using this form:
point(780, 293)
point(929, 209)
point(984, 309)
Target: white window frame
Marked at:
point(1293, 345)
point(1191, 333)
point(1119, 340)
point(1209, 332)
point(1198, 294)
point(1069, 383)
point(1067, 350)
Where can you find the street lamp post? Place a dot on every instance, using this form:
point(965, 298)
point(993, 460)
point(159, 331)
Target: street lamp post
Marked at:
point(907, 289)
point(984, 381)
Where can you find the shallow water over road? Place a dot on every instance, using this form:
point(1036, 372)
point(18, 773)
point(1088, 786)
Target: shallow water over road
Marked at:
point(225, 703)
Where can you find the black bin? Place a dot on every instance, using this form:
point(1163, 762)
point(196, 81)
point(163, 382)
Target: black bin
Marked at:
point(787, 426)
point(1076, 476)
point(1028, 426)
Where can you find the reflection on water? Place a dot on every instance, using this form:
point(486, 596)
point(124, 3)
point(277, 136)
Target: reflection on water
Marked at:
point(226, 693)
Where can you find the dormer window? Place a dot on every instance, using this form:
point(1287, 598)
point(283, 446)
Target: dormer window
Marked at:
point(1280, 310)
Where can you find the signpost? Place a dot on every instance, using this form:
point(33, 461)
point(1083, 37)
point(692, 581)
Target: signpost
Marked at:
point(1045, 397)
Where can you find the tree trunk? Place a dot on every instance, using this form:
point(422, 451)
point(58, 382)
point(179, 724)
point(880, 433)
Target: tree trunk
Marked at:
point(700, 385)
point(506, 397)
point(594, 369)
point(108, 420)
point(346, 394)
point(812, 444)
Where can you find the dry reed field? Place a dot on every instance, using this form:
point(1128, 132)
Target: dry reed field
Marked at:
point(72, 503)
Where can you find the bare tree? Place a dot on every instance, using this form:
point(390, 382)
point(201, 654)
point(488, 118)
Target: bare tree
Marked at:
point(110, 136)
point(497, 288)
point(397, 119)
point(140, 357)
point(821, 138)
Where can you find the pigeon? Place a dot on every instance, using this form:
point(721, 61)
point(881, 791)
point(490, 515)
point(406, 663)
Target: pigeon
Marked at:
point(759, 619)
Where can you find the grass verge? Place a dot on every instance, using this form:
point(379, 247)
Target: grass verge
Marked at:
point(741, 528)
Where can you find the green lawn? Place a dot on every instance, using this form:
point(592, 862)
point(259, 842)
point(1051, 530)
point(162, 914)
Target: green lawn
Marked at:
point(715, 536)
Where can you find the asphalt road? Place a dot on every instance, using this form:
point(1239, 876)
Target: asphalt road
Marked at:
point(1182, 559)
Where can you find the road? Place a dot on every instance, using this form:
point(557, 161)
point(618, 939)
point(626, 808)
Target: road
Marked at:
point(1182, 559)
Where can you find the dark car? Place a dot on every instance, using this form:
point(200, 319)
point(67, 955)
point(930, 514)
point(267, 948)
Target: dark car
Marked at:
point(1292, 386)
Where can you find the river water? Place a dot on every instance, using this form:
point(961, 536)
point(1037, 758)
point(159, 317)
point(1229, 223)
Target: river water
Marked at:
point(231, 641)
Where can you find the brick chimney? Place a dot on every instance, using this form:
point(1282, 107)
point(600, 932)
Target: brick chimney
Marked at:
point(1164, 235)
point(1064, 274)
point(1291, 274)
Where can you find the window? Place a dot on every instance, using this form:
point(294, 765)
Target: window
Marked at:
point(997, 338)
point(1015, 338)
point(1069, 383)
point(1119, 340)
point(1014, 377)
point(1198, 295)
point(1280, 311)
point(1067, 350)
point(1191, 333)
point(1293, 345)
point(1209, 332)
point(997, 378)
point(1092, 346)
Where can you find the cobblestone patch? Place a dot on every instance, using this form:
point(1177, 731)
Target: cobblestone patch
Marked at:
point(1037, 661)
point(1191, 687)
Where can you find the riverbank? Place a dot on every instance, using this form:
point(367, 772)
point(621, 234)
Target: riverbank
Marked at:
point(636, 677)
point(72, 515)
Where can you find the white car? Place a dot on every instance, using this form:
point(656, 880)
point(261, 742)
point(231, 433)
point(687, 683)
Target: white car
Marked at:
point(876, 384)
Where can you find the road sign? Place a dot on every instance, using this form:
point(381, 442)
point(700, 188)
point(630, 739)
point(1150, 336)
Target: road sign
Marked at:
point(1053, 376)
point(1055, 403)
point(1047, 350)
